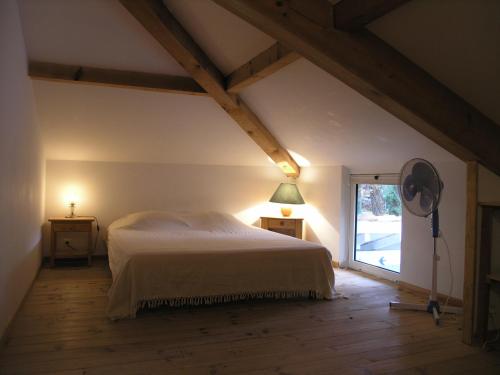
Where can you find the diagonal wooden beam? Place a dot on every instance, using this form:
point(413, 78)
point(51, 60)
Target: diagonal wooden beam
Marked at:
point(376, 70)
point(115, 78)
point(353, 15)
point(264, 64)
point(162, 25)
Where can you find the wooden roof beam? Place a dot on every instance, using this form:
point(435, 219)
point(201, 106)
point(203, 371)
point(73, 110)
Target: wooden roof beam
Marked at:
point(353, 15)
point(380, 73)
point(162, 25)
point(115, 78)
point(264, 64)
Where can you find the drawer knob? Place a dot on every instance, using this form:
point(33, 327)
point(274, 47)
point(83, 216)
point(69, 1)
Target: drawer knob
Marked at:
point(282, 223)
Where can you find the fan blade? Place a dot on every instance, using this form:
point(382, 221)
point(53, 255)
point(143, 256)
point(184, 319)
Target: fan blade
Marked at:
point(427, 199)
point(424, 175)
point(409, 188)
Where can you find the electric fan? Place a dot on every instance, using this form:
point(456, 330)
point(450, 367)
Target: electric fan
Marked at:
point(420, 189)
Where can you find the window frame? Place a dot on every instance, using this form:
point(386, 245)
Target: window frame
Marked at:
point(381, 179)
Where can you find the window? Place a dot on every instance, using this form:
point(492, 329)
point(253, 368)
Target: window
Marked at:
point(377, 225)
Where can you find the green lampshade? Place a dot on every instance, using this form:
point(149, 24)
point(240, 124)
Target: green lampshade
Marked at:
point(287, 193)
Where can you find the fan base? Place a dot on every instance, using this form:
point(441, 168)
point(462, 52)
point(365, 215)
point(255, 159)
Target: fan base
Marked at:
point(432, 307)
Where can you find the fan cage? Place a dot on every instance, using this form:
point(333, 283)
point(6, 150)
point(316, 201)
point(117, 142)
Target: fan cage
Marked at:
point(405, 171)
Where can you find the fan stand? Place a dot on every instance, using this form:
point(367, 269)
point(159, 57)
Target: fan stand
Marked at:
point(433, 305)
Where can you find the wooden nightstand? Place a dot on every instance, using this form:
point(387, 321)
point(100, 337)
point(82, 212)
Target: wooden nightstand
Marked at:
point(70, 224)
point(289, 226)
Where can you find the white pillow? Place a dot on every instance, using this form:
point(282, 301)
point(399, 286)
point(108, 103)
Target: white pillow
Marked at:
point(214, 222)
point(154, 220)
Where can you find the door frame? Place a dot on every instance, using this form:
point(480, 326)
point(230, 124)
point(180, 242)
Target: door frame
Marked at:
point(382, 179)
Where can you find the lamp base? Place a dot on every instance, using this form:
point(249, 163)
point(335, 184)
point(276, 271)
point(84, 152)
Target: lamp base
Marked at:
point(72, 206)
point(286, 211)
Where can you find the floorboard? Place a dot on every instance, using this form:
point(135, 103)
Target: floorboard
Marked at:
point(62, 329)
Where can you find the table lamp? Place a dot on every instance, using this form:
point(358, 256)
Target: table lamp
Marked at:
point(287, 193)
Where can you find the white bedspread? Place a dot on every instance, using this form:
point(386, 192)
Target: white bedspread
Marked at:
point(207, 262)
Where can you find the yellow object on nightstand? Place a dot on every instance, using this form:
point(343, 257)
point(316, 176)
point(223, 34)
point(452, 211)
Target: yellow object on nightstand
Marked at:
point(289, 226)
point(77, 224)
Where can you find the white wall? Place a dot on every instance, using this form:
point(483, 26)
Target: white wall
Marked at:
point(21, 169)
point(110, 190)
point(417, 242)
point(326, 192)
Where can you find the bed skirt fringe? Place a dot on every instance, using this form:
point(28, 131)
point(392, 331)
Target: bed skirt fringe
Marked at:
point(210, 300)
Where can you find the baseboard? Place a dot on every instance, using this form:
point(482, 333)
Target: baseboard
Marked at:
point(5, 334)
point(442, 297)
point(46, 259)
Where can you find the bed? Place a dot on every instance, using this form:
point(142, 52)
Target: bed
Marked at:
point(164, 258)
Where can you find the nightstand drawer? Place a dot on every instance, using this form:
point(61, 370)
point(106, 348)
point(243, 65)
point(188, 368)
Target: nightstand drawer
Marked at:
point(278, 223)
point(289, 226)
point(71, 227)
point(78, 224)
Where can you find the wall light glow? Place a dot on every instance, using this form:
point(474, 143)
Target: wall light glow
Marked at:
point(71, 194)
point(301, 161)
point(321, 230)
point(318, 228)
point(252, 215)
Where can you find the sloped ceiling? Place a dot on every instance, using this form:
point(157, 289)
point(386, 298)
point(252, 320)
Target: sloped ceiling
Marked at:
point(321, 118)
point(457, 42)
point(92, 32)
point(309, 111)
point(225, 38)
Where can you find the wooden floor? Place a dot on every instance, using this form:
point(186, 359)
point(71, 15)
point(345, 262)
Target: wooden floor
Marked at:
point(62, 329)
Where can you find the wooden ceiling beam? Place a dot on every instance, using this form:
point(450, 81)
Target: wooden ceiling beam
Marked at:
point(115, 78)
point(264, 64)
point(353, 15)
point(162, 25)
point(380, 73)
